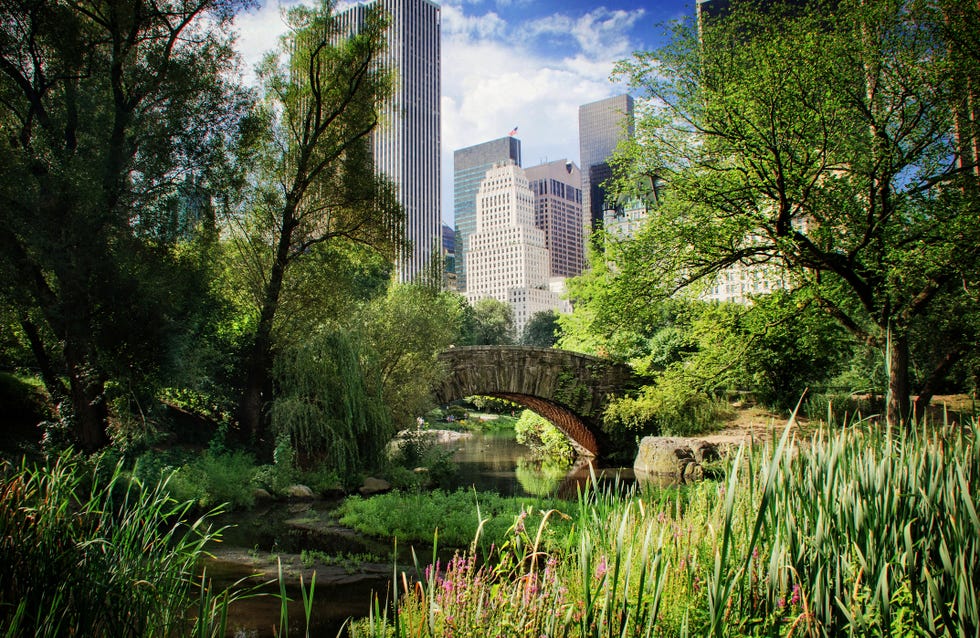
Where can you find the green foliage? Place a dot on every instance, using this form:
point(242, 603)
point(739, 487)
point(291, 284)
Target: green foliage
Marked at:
point(547, 442)
point(416, 460)
point(778, 158)
point(415, 516)
point(859, 532)
point(542, 330)
point(309, 185)
point(91, 196)
point(211, 480)
point(793, 346)
point(117, 558)
point(671, 407)
point(403, 332)
point(324, 404)
point(493, 323)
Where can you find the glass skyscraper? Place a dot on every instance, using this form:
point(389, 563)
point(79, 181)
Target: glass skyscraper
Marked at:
point(408, 141)
point(470, 166)
point(601, 125)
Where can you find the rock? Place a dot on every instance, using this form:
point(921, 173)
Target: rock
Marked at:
point(677, 457)
point(374, 486)
point(261, 494)
point(299, 491)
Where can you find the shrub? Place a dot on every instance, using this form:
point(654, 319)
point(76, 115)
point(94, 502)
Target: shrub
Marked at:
point(213, 479)
point(545, 440)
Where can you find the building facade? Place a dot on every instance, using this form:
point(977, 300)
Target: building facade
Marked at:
point(601, 126)
point(449, 259)
point(470, 166)
point(557, 188)
point(507, 256)
point(407, 143)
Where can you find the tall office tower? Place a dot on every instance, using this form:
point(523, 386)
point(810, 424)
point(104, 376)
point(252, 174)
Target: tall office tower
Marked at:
point(557, 188)
point(601, 125)
point(407, 143)
point(470, 166)
point(507, 257)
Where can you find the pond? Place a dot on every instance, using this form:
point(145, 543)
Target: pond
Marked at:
point(261, 539)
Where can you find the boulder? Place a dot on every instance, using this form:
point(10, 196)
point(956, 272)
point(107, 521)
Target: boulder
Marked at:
point(679, 458)
point(261, 494)
point(374, 486)
point(299, 491)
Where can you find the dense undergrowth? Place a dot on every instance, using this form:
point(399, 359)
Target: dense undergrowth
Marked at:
point(854, 531)
point(87, 551)
point(861, 531)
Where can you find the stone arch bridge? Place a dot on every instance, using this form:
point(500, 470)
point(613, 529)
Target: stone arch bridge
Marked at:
point(569, 389)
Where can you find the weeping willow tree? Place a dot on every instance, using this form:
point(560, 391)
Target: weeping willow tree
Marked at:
point(326, 407)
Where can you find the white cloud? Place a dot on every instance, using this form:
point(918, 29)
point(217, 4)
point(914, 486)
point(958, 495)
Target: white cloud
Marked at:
point(497, 74)
point(258, 33)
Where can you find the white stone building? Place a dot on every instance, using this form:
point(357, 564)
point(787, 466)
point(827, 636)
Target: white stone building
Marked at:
point(506, 256)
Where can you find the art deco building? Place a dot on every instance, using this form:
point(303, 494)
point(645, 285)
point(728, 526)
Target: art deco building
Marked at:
point(470, 166)
point(507, 256)
point(601, 126)
point(557, 188)
point(407, 144)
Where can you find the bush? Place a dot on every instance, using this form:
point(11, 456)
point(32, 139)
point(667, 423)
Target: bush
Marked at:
point(413, 450)
point(545, 440)
point(213, 479)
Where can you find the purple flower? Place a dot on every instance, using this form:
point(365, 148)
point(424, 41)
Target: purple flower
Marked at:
point(601, 568)
point(795, 598)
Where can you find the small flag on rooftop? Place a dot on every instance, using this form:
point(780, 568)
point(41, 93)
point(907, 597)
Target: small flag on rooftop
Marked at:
point(513, 131)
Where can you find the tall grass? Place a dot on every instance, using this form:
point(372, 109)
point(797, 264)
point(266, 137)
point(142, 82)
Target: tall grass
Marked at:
point(96, 554)
point(857, 531)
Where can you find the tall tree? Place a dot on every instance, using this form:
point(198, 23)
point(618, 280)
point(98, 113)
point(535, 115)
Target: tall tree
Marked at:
point(311, 174)
point(820, 142)
point(105, 107)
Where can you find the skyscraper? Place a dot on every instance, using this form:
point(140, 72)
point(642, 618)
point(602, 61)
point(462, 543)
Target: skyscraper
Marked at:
point(601, 125)
point(470, 166)
point(407, 144)
point(508, 259)
point(557, 188)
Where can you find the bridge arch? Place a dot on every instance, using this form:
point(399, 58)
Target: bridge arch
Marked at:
point(568, 388)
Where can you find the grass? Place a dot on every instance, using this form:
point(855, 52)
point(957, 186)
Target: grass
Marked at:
point(860, 531)
point(413, 516)
point(92, 553)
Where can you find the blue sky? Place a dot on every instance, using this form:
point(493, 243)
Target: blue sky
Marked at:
point(523, 63)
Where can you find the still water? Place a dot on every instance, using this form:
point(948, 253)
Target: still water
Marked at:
point(485, 461)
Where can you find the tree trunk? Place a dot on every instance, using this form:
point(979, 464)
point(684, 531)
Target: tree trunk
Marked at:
point(931, 384)
point(90, 412)
point(251, 409)
point(56, 388)
point(898, 408)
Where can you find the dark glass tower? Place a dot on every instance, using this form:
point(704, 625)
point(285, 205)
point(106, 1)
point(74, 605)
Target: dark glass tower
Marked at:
point(601, 125)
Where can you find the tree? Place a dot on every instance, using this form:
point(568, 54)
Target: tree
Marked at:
point(105, 108)
point(541, 330)
point(405, 331)
point(311, 174)
point(493, 323)
point(822, 143)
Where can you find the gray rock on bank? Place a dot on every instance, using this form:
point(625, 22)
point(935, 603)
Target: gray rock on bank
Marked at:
point(679, 458)
point(373, 486)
